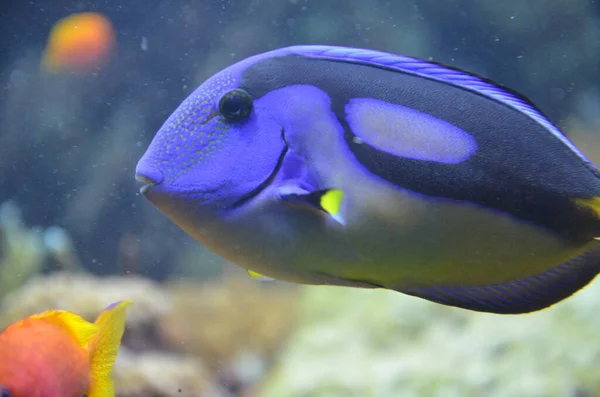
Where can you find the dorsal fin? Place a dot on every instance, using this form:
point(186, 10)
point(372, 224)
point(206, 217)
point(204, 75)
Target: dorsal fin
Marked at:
point(439, 72)
point(82, 331)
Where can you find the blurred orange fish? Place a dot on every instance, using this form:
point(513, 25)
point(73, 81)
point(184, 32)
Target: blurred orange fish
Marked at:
point(59, 354)
point(79, 43)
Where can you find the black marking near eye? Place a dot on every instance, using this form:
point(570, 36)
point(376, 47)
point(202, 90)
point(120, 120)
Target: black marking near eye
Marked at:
point(247, 197)
point(235, 105)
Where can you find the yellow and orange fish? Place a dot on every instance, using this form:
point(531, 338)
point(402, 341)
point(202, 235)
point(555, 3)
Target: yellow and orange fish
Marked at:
point(58, 354)
point(79, 43)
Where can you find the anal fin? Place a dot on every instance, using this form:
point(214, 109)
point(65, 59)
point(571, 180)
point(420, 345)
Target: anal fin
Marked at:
point(523, 295)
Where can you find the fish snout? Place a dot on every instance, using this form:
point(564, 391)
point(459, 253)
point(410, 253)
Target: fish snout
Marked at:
point(149, 176)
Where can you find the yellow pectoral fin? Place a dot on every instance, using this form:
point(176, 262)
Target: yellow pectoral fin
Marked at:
point(331, 201)
point(328, 201)
point(590, 203)
point(259, 276)
point(254, 274)
point(104, 347)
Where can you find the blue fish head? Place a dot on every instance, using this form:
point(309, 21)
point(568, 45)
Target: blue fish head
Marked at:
point(218, 149)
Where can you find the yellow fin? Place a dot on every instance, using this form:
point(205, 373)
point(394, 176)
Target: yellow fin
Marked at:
point(328, 201)
point(253, 274)
point(82, 331)
point(104, 347)
point(258, 276)
point(331, 201)
point(591, 203)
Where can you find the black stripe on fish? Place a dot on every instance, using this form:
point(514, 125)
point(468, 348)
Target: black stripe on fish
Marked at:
point(257, 190)
point(520, 168)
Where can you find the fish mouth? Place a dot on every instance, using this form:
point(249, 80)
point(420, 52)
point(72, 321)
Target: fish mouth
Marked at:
point(147, 173)
point(148, 183)
point(256, 191)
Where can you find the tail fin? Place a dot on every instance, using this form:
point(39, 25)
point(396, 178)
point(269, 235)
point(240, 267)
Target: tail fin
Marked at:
point(104, 346)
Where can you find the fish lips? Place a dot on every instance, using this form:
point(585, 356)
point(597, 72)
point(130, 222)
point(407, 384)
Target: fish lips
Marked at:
point(149, 177)
point(148, 184)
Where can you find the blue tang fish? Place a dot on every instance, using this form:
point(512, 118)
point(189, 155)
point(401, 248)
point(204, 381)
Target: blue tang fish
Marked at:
point(342, 166)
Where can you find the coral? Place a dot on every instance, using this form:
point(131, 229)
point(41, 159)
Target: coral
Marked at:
point(23, 251)
point(87, 296)
point(153, 374)
point(231, 320)
point(382, 343)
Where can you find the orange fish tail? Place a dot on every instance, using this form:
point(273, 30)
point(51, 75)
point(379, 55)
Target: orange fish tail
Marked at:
point(104, 347)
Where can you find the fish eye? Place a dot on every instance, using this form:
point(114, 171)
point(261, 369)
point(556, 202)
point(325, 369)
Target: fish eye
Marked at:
point(235, 105)
point(4, 392)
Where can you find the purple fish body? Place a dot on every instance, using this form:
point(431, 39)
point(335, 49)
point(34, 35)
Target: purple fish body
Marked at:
point(352, 167)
